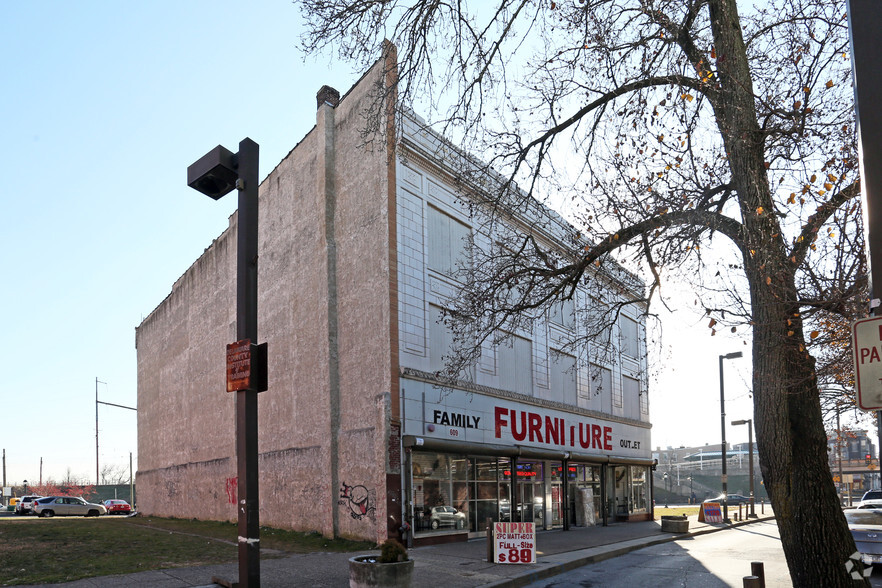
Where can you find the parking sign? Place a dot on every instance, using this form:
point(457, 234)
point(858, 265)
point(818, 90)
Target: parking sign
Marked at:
point(866, 344)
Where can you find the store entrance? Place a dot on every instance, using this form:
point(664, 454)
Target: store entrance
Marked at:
point(620, 475)
point(531, 503)
point(531, 493)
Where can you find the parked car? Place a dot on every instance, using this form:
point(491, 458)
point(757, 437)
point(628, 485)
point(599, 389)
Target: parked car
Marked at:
point(25, 504)
point(866, 529)
point(115, 506)
point(866, 505)
point(446, 516)
point(730, 500)
point(67, 506)
point(870, 497)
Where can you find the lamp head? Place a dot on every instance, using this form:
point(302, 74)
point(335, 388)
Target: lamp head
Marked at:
point(741, 422)
point(215, 173)
point(733, 355)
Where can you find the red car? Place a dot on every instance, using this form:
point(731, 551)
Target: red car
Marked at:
point(120, 507)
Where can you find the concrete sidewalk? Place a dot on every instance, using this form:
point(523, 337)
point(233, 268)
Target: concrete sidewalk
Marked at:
point(452, 565)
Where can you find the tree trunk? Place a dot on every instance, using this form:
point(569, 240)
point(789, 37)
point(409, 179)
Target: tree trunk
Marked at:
point(791, 439)
point(792, 446)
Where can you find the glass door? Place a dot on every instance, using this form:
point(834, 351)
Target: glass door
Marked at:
point(531, 493)
point(622, 487)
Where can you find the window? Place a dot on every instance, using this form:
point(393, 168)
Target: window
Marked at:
point(639, 494)
point(601, 381)
point(630, 341)
point(514, 365)
point(563, 377)
point(447, 242)
point(631, 389)
point(562, 313)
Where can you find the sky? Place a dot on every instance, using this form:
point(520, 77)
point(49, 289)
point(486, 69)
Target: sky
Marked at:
point(103, 106)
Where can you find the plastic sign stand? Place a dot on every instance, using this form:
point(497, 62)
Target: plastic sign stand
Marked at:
point(710, 512)
point(514, 543)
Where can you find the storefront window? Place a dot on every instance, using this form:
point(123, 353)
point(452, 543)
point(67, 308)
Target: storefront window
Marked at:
point(435, 494)
point(584, 495)
point(638, 489)
point(453, 492)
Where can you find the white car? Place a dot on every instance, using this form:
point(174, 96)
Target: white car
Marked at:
point(25, 505)
point(67, 506)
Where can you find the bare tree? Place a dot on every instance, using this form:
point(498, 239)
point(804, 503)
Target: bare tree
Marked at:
point(114, 474)
point(701, 142)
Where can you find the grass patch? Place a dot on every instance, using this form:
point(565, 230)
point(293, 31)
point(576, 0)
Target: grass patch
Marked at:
point(37, 551)
point(686, 510)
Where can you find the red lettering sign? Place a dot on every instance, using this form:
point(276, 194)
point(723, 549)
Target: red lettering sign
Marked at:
point(524, 425)
point(239, 365)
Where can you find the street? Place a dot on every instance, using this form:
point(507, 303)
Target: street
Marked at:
point(706, 561)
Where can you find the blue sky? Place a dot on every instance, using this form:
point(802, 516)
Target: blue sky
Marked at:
point(102, 108)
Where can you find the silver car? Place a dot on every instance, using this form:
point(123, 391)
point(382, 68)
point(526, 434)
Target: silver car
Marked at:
point(866, 528)
point(67, 506)
point(446, 516)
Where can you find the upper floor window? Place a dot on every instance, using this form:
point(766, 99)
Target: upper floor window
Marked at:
point(514, 364)
point(562, 313)
point(563, 377)
point(448, 239)
point(441, 342)
point(601, 380)
point(630, 340)
point(631, 388)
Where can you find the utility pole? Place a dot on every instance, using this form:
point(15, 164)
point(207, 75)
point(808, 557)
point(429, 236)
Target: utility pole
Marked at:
point(97, 479)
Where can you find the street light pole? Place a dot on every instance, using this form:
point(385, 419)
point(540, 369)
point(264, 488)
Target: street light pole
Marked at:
point(725, 478)
point(215, 174)
point(749, 423)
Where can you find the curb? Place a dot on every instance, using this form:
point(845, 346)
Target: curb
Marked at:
point(603, 553)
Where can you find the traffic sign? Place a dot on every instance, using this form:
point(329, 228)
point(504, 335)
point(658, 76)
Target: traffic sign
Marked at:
point(866, 344)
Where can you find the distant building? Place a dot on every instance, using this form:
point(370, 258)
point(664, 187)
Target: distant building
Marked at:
point(357, 247)
point(854, 444)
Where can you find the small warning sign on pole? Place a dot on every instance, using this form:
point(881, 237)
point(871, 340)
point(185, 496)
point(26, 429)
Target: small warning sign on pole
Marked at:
point(514, 543)
point(246, 366)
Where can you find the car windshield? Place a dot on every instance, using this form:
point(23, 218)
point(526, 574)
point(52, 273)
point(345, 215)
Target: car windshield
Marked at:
point(864, 517)
point(872, 496)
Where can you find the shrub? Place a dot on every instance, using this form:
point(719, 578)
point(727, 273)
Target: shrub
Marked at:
point(392, 551)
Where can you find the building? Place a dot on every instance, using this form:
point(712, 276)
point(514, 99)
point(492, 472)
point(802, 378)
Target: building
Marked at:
point(851, 454)
point(357, 244)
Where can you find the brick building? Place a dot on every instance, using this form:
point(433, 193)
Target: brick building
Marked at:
point(356, 249)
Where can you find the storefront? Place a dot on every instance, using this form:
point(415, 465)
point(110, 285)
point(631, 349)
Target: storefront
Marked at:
point(474, 457)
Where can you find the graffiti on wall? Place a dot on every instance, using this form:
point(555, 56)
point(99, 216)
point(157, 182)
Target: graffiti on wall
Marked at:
point(360, 501)
point(232, 486)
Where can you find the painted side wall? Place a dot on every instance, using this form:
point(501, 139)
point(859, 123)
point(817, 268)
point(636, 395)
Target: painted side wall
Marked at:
point(324, 310)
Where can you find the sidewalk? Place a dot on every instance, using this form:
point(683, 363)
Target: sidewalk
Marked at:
point(452, 565)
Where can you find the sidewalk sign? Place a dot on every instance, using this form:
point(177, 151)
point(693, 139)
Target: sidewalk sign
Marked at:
point(710, 512)
point(514, 543)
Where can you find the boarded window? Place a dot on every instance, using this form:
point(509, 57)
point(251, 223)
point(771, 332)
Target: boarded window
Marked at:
point(448, 239)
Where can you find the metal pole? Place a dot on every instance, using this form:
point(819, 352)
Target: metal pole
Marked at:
point(750, 467)
point(246, 400)
point(839, 453)
point(724, 477)
point(97, 479)
point(131, 484)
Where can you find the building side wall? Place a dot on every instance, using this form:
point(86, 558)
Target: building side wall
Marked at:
point(324, 310)
point(362, 236)
point(182, 443)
